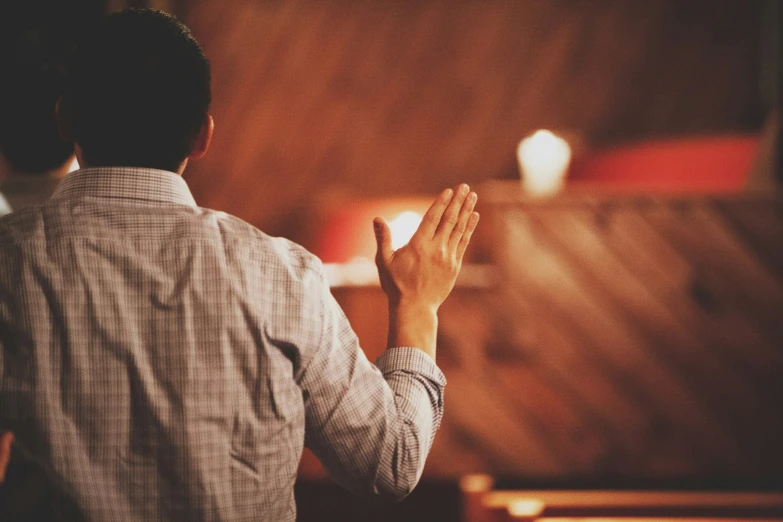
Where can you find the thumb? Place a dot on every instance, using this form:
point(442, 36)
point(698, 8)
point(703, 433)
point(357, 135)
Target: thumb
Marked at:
point(383, 239)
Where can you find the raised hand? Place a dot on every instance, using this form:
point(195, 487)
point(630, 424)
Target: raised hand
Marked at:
point(418, 277)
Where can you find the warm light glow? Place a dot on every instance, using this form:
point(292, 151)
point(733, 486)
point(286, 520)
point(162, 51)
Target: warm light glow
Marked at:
point(525, 508)
point(74, 165)
point(476, 483)
point(358, 271)
point(403, 227)
point(543, 159)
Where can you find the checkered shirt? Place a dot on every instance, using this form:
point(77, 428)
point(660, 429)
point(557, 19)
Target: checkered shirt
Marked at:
point(161, 361)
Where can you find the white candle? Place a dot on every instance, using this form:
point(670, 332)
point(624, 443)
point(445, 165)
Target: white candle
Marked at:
point(543, 161)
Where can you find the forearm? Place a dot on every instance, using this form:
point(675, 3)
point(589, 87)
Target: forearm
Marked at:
point(413, 325)
point(374, 438)
point(418, 406)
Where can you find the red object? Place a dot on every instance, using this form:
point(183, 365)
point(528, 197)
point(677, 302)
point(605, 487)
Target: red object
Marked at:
point(693, 165)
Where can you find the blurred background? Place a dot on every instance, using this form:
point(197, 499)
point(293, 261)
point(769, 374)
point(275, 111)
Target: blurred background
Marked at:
point(619, 321)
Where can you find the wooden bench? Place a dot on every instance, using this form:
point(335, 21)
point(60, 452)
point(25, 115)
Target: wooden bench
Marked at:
point(482, 503)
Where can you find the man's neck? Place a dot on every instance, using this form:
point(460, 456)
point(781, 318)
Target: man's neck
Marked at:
point(86, 164)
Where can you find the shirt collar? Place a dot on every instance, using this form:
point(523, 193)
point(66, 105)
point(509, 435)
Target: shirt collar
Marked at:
point(125, 183)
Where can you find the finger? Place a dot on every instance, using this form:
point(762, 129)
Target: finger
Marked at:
point(465, 239)
point(462, 222)
point(383, 240)
point(431, 219)
point(451, 214)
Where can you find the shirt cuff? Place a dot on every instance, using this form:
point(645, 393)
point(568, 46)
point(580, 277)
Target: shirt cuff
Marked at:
point(411, 360)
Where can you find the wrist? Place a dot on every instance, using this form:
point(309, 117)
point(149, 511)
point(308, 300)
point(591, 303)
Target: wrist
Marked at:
point(406, 305)
point(413, 324)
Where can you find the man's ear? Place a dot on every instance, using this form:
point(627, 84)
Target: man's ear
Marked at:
point(63, 118)
point(203, 139)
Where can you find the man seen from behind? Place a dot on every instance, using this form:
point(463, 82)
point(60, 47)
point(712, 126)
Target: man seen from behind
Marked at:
point(162, 361)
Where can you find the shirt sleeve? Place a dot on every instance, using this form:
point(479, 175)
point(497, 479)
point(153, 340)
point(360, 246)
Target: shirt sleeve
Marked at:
point(371, 426)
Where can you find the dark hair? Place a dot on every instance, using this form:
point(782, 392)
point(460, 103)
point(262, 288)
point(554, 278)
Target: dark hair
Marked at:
point(137, 91)
point(32, 58)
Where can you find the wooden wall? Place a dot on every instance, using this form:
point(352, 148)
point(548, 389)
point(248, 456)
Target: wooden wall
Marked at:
point(626, 338)
point(383, 98)
point(634, 338)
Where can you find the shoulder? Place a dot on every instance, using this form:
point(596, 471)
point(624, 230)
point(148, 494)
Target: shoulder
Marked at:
point(20, 225)
point(280, 252)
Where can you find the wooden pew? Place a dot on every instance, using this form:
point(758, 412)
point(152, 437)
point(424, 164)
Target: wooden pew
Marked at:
point(482, 503)
point(648, 519)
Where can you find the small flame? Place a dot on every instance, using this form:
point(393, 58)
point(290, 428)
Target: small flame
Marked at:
point(525, 508)
point(543, 158)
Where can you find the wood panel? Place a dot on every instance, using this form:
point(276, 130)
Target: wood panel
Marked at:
point(675, 303)
point(386, 98)
point(628, 337)
point(488, 505)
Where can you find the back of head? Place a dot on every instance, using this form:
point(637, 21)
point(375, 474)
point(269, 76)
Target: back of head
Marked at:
point(137, 91)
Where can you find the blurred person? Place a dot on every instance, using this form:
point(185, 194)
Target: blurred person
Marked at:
point(23, 188)
point(162, 361)
point(33, 157)
point(33, 50)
